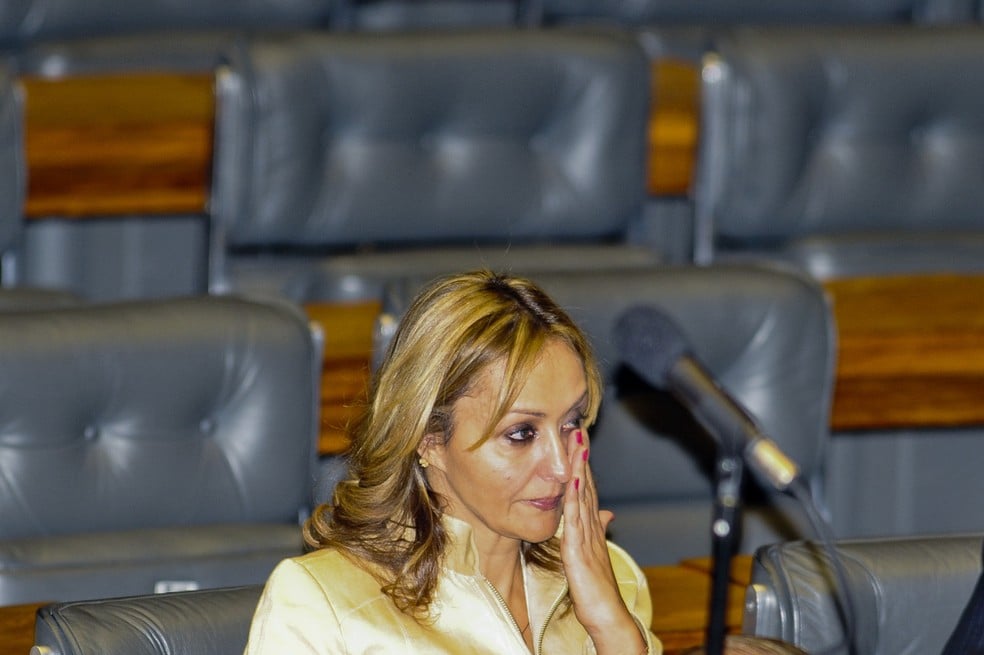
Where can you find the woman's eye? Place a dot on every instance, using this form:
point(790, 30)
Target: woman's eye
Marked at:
point(575, 423)
point(521, 434)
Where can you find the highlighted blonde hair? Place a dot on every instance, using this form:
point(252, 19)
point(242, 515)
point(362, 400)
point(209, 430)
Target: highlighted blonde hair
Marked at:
point(385, 516)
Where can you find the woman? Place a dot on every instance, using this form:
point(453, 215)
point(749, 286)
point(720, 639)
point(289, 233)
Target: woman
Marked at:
point(447, 537)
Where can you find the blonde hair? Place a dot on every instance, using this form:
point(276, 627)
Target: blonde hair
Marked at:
point(385, 514)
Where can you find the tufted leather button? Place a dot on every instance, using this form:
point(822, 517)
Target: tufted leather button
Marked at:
point(90, 433)
point(207, 425)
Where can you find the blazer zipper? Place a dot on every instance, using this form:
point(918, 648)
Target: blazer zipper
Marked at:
point(543, 628)
point(546, 621)
point(504, 607)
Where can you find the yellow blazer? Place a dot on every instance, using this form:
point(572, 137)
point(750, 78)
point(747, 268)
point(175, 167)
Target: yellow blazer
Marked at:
point(323, 603)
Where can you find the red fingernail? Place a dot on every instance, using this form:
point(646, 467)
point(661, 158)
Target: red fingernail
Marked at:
point(584, 455)
point(577, 483)
point(580, 437)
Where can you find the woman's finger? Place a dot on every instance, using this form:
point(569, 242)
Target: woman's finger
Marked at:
point(572, 496)
point(606, 517)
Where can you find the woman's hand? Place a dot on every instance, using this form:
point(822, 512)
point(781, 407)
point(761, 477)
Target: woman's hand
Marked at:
point(598, 605)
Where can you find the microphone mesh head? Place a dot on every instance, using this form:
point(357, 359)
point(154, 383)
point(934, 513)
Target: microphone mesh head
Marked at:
point(650, 343)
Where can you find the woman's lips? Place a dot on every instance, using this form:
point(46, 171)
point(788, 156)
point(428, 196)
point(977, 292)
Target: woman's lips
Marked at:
point(546, 504)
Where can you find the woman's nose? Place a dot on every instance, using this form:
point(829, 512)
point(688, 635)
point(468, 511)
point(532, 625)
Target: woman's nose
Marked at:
point(556, 463)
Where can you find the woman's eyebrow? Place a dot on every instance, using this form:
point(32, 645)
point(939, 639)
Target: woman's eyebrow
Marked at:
point(580, 402)
point(539, 414)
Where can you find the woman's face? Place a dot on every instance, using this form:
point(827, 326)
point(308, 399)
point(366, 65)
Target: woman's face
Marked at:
point(512, 485)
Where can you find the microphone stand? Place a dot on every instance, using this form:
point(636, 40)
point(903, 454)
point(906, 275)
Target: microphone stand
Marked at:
point(724, 533)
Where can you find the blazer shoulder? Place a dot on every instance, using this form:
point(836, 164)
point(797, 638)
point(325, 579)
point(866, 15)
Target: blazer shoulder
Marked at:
point(625, 568)
point(342, 581)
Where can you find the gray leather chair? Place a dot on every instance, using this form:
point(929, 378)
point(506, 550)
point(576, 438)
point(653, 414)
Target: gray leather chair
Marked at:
point(345, 160)
point(766, 334)
point(208, 622)
point(153, 445)
point(907, 593)
point(844, 151)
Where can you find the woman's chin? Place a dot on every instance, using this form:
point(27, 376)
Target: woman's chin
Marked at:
point(543, 531)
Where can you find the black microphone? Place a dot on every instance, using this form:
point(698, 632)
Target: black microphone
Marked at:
point(652, 345)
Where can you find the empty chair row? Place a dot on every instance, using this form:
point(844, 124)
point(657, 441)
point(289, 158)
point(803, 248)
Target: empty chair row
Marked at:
point(344, 160)
point(24, 21)
point(28, 21)
point(340, 160)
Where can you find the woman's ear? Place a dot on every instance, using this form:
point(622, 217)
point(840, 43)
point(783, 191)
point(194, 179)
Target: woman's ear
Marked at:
point(431, 451)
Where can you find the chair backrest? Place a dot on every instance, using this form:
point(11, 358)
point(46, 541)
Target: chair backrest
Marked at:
point(172, 51)
point(209, 622)
point(328, 142)
point(24, 21)
point(907, 593)
point(730, 12)
point(859, 135)
point(766, 334)
point(208, 398)
point(432, 14)
point(153, 441)
point(13, 171)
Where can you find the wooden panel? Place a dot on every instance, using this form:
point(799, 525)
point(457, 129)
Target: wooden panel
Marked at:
point(347, 332)
point(681, 602)
point(17, 628)
point(741, 567)
point(674, 115)
point(118, 144)
point(910, 352)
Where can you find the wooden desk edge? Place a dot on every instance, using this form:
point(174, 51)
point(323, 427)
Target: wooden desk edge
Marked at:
point(17, 627)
